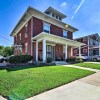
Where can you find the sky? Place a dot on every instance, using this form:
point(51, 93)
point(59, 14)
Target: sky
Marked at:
point(82, 14)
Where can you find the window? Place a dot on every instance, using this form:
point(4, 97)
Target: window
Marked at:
point(53, 15)
point(84, 50)
point(84, 39)
point(46, 27)
point(60, 18)
point(26, 48)
point(65, 33)
point(26, 30)
point(75, 51)
point(20, 36)
point(56, 17)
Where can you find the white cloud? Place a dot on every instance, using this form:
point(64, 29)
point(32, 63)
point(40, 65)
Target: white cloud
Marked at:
point(77, 8)
point(64, 4)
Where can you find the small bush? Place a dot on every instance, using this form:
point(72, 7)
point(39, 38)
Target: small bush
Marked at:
point(79, 60)
point(71, 59)
point(49, 60)
point(20, 59)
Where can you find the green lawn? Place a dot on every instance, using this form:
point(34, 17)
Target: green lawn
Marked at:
point(89, 65)
point(32, 81)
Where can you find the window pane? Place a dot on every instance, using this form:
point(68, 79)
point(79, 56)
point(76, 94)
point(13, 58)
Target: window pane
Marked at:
point(65, 33)
point(46, 28)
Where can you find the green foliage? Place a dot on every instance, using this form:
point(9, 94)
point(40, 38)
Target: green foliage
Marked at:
point(79, 60)
point(6, 51)
point(49, 60)
point(28, 82)
point(72, 59)
point(20, 59)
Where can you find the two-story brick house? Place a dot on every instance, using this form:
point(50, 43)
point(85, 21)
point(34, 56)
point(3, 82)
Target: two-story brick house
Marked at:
point(43, 35)
point(91, 47)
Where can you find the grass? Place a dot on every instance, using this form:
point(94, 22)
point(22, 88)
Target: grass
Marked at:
point(21, 84)
point(89, 65)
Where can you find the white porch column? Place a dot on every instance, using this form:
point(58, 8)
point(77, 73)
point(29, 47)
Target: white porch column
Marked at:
point(36, 51)
point(80, 51)
point(66, 51)
point(44, 50)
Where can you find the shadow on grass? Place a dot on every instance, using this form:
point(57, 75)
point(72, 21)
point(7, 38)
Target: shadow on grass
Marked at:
point(22, 67)
point(15, 68)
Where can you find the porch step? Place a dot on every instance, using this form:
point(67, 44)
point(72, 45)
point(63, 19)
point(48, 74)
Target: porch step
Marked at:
point(61, 63)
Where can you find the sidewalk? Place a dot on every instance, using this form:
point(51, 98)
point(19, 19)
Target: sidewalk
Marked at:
point(1, 98)
point(95, 70)
point(87, 88)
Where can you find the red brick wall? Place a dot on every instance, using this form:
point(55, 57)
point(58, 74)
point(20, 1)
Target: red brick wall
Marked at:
point(82, 40)
point(59, 51)
point(56, 30)
point(37, 29)
point(69, 51)
point(82, 52)
point(23, 39)
point(37, 26)
point(70, 35)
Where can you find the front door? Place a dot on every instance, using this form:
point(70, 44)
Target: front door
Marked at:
point(50, 52)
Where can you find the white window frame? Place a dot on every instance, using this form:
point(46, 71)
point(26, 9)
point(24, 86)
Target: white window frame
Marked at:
point(84, 50)
point(20, 36)
point(66, 33)
point(26, 26)
point(47, 25)
point(26, 48)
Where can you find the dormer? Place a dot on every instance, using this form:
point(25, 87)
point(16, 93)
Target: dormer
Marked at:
point(55, 14)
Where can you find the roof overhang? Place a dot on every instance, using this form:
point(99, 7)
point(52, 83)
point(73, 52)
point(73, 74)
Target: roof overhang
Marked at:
point(34, 12)
point(56, 39)
point(50, 9)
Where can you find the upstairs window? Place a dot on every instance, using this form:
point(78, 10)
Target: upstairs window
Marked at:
point(53, 15)
point(60, 18)
point(46, 27)
point(65, 33)
point(26, 30)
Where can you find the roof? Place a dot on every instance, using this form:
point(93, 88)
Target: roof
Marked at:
point(28, 14)
point(57, 39)
point(95, 34)
point(50, 9)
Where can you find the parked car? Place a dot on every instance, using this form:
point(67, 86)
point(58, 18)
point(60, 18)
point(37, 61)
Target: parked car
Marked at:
point(96, 58)
point(1, 57)
point(83, 56)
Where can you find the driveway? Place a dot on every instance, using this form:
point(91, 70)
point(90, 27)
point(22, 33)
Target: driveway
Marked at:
point(87, 88)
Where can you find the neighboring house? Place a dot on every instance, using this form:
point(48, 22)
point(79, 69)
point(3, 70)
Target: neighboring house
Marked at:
point(91, 47)
point(43, 35)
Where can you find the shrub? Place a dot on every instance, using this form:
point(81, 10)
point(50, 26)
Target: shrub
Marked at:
point(49, 60)
point(20, 59)
point(71, 59)
point(79, 60)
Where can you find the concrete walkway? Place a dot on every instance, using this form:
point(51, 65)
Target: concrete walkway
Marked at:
point(93, 62)
point(2, 98)
point(87, 88)
point(95, 70)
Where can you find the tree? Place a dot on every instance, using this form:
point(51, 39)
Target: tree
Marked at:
point(6, 51)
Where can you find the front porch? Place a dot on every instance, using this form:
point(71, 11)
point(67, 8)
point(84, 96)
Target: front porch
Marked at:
point(54, 47)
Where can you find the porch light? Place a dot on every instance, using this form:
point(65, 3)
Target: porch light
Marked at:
point(66, 26)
